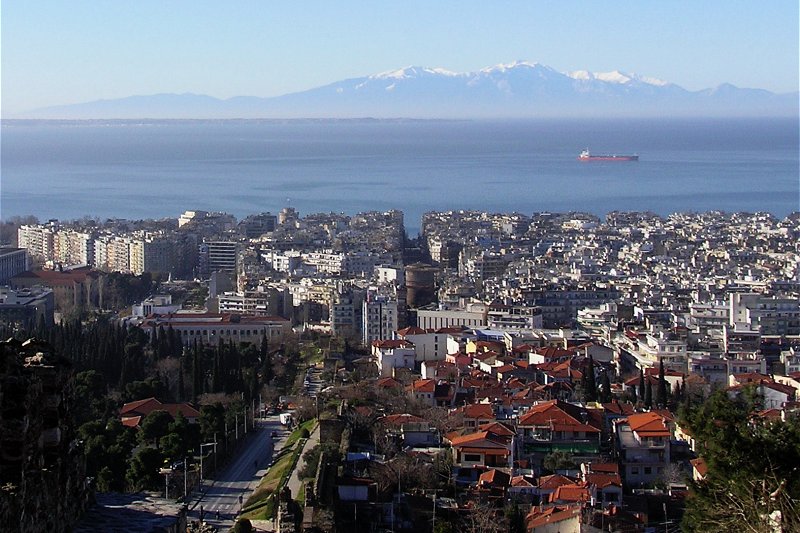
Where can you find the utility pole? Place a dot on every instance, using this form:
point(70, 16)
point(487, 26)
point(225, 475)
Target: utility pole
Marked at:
point(433, 527)
point(185, 478)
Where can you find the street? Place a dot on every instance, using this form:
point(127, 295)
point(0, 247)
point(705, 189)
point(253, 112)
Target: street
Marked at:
point(233, 484)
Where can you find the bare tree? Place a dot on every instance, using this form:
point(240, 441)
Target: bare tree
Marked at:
point(168, 370)
point(484, 518)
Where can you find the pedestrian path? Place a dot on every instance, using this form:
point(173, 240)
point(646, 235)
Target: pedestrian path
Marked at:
point(294, 482)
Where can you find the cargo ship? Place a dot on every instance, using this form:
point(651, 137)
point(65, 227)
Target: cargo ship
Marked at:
point(586, 156)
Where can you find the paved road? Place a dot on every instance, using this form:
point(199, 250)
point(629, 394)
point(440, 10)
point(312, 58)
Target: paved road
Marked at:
point(235, 482)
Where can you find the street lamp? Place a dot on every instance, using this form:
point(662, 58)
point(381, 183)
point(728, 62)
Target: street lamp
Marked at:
point(214, 445)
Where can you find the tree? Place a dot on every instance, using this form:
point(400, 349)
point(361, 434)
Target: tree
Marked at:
point(266, 360)
point(212, 421)
point(243, 525)
point(312, 457)
point(661, 391)
point(641, 385)
point(588, 384)
point(143, 470)
point(515, 519)
point(558, 460)
point(753, 478)
point(155, 426)
point(605, 389)
point(648, 395)
point(484, 519)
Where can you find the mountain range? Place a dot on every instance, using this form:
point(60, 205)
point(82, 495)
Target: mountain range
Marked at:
point(516, 90)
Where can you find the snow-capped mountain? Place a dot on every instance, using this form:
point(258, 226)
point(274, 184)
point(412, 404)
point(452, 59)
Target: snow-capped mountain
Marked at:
point(518, 89)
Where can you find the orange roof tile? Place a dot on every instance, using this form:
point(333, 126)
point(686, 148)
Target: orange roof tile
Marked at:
point(651, 424)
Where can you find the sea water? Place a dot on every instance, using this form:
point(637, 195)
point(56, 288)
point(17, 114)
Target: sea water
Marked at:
point(156, 169)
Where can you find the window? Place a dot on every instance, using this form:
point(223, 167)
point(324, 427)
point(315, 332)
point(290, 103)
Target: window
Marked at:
point(472, 457)
point(648, 470)
point(635, 470)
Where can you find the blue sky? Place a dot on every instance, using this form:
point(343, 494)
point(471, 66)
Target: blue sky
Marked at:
point(56, 52)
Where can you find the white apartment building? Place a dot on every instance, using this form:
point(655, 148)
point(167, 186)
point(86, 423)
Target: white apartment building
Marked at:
point(38, 240)
point(287, 261)
point(157, 304)
point(428, 345)
point(472, 317)
point(391, 354)
point(771, 316)
point(71, 247)
point(379, 317)
point(390, 275)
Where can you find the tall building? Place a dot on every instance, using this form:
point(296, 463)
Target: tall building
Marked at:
point(217, 256)
point(379, 317)
point(152, 253)
point(38, 240)
point(73, 247)
point(255, 226)
point(12, 262)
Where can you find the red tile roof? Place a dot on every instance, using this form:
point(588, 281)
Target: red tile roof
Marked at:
point(608, 468)
point(521, 481)
point(479, 440)
point(478, 411)
point(497, 428)
point(423, 385)
point(550, 352)
point(141, 408)
point(392, 343)
point(495, 477)
point(563, 414)
point(648, 425)
point(388, 383)
point(602, 480)
point(572, 493)
point(552, 482)
point(551, 515)
point(411, 330)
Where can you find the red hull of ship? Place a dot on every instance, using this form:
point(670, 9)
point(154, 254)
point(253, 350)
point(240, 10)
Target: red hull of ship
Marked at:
point(609, 158)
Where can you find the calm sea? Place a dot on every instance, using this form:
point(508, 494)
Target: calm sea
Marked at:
point(159, 169)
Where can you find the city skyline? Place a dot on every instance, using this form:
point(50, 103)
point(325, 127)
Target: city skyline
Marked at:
point(62, 54)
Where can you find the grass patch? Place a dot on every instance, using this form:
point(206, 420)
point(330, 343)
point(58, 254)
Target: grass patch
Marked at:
point(295, 436)
point(261, 505)
point(301, 495)
point(312, 354)
point(272, 480)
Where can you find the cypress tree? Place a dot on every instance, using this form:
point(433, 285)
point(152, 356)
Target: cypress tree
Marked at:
point(661, 393)
point(588, 383)
point(196, 373)
point(641, 385)
point(648, 395)
point(605, 384)
point(266, 360)
point(181, 385)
